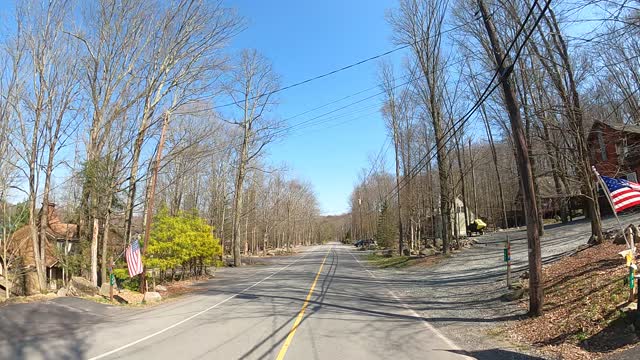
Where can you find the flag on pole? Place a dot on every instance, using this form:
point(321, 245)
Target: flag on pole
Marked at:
point(134, 259)
point(623, 193)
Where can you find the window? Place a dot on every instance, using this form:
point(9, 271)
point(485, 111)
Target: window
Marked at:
point(622, 149)
point(603, 148)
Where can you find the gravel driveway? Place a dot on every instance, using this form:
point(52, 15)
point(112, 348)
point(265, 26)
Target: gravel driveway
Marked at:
point(461, 295)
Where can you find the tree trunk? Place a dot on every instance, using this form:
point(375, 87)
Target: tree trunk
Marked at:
point(459, 142)
point(536, 295)
point(105, 245)
point(237, 199)
point(473, 181)
point(94, 253)
point(151, 197)
point(396, 141)
point(494, 156)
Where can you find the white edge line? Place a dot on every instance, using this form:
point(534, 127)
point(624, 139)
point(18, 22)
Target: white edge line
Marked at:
point(431, 328)
point(192, 316)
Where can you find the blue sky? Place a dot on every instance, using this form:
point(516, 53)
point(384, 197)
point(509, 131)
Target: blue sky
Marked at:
point(304, 39)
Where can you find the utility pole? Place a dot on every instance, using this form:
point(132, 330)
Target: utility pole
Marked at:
point(505, 65)
point(360, 213)
point(152, 192)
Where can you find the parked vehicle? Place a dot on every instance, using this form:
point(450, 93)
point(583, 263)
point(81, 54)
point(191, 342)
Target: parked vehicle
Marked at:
point(477, 226)
point(365, 243)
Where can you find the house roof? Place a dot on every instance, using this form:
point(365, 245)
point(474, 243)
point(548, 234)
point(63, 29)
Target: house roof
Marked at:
point(627, 128)
point(55, 229)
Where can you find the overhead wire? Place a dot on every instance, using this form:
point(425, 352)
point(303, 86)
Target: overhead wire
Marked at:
point(343, 68)
point(486, 93)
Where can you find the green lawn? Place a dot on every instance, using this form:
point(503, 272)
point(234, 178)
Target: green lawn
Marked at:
point(389, 262)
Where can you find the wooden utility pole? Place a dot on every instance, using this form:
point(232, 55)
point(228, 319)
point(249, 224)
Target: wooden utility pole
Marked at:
point(152, 192)
point(505, 65)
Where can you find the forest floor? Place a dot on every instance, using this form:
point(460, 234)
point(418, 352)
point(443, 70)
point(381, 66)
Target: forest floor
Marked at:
point(585, 298)
point(463, 295)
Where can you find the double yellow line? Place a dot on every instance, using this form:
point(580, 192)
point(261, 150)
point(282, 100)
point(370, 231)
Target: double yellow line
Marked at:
point(292, 332)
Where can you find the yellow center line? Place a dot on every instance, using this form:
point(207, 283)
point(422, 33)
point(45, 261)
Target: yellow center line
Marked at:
point(292, 332)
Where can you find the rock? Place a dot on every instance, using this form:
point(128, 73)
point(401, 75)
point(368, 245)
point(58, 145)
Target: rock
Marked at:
point(427, 252)
point(514, 295)
point(120, 299)
point(385, 253)
point(161, 288)
point(104, 290)
point(129, 297)
point(79, 286)
point(62, 292)
point(516, 286)
point(619, 239)
point(151, 297)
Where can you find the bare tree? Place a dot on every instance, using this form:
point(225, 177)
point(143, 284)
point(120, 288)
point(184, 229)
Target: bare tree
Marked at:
point(418, 24)
point(502, 60)
point(251, 87)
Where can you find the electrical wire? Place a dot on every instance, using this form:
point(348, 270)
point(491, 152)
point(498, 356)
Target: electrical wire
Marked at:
point(415, 170)
point(346, 67)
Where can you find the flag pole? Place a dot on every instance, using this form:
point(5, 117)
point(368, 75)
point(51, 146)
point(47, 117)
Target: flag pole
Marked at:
point(606, 193)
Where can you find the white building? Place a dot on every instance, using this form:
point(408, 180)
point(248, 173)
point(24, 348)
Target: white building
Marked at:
point(458, 225)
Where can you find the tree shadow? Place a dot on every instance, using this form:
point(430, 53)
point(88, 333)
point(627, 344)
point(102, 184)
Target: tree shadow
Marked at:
point(615, 336)
point(44, 330)
point(495, 354)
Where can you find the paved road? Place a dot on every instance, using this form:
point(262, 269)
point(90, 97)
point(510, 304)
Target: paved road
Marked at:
point(267, 312)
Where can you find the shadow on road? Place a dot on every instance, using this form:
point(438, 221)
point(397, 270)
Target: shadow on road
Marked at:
point(44, 330)
point(495, 354)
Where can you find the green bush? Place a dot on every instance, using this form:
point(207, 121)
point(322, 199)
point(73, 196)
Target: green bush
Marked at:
point(124, 281)
point(183, 241)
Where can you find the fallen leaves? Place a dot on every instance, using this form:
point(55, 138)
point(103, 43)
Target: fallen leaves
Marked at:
point(583, 296)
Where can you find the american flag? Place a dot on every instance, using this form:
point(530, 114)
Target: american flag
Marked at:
point(134, 260)
point(624, 194)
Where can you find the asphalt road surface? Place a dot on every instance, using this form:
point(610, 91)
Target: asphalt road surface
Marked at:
point(320, 304)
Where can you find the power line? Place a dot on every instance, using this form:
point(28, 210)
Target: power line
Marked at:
point(486, 93)
point(411, 80)
point(340, 108)
point(352, 65)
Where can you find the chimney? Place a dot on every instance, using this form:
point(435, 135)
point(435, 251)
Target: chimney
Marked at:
point(52, 217)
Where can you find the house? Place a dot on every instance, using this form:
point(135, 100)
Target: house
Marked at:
point(556, 200)
point(614, 152)
point(61, 239)
point(615, 149)
point(458, 224)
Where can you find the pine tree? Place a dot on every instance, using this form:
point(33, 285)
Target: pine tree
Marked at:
point(385, 231)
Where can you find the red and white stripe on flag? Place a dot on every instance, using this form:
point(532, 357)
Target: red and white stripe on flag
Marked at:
point(625, 198)
point(134, 259)
point(624, 193)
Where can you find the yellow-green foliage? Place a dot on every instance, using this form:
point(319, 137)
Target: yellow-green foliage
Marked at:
point(179, 240)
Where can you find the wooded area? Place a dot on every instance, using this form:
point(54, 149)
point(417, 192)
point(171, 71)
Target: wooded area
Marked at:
point(111, 110)
point(118, 115)
point(558, 74)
